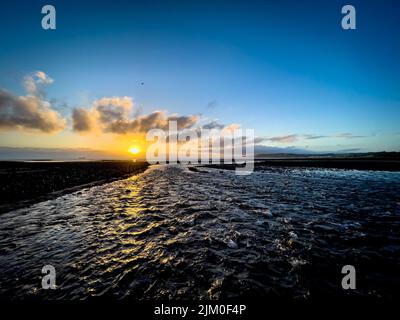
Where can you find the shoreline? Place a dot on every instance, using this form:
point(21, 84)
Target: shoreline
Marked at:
point(25, 183)
point(324, 163)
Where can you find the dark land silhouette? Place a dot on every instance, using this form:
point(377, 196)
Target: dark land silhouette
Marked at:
point(23, 183)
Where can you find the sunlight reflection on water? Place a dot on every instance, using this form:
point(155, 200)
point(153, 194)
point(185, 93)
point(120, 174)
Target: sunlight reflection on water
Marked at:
point(172, 233)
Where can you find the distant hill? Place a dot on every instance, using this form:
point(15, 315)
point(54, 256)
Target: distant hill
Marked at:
point(384, 155)
point(42, 154)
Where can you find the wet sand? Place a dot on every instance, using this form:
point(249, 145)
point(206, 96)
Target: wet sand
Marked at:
point(24, 183)
point(171, 233)
point(333, 163)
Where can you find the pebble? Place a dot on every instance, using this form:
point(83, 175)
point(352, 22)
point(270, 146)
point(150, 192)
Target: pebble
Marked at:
point(268, 213)
point(232, 244)
point(293, 235)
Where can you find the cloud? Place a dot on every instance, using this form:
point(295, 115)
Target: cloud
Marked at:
point(229, 129)
point(348, 136)
point(184, 122)
point(34, 82)
point(113, 115)
point(32, 153)
point(284, 139)
point(113, 109)
point(312, 137)
point(31, 111)
point(213, 125)
point(81, 120)
point(260, 149)
point(30, 85)
point(212, 104)
point(349, 150)
point(43, 78)
point(259, 140)
point(156, 119)
point(295, 137)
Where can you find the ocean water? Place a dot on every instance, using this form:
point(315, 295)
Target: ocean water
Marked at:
point(171, 233)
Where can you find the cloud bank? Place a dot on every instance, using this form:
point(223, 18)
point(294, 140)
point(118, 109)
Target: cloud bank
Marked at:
point(113, 115)
point(296, 137)
point(31, 111)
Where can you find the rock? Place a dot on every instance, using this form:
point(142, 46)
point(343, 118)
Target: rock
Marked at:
point(232, 244)
point(268, 213)
point(293, 235)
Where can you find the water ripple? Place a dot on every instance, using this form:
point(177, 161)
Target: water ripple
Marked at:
point(173, 233)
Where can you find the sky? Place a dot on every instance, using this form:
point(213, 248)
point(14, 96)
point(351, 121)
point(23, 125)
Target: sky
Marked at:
point(286, 69)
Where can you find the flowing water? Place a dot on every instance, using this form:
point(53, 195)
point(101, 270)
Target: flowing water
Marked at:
point(171, 233)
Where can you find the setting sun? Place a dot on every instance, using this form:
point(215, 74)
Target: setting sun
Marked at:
point(134, 150)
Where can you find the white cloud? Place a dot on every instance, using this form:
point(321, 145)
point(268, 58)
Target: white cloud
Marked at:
point(43, 78)
point(31, 111)
point(113, 114)
point(28, 112)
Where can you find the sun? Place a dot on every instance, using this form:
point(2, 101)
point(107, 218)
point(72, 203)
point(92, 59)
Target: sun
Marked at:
point(134, 149)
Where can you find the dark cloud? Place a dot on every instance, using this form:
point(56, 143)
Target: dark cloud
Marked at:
point(284, 139)
point(294, 137)
point(184, 122)
point(349, 150)
point(312, 137)
point(212, 104)
point(81, 120)
point(28, 112)
point(114, 109)
point(154, 120)
point(113, 115)
point(15, 153)
point(259, 140)
point(213, 125)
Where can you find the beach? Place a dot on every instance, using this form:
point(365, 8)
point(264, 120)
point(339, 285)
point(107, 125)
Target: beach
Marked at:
point(374, 164)
point(27, 182)
point(170, 233)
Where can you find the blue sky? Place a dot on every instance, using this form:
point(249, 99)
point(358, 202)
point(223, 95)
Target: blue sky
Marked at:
point(284, 68)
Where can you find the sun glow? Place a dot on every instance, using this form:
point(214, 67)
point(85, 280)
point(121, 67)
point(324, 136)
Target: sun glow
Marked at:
point(134, 150)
